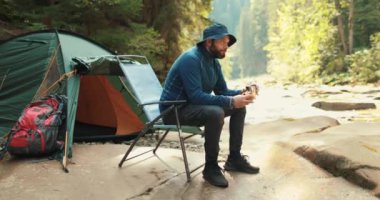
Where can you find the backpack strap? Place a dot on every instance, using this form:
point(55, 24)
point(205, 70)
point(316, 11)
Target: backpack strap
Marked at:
point(4, 145)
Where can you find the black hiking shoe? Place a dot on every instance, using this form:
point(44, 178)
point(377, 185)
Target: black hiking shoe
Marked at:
point(213, 175)
point(240, 164)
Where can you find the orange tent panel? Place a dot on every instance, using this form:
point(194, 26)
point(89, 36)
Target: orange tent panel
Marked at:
point(99, 103)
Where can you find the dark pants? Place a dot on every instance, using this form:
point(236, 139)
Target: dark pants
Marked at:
point(212, 118)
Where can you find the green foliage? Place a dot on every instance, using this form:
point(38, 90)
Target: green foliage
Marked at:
point(158, 29)
point(296, 39)
point(364, 65)
point(302, 28)
point(336, 79)
point(82, 16)
point(302, 43)
point(179, 22)
point(88, 17)
point(253, 37)
point(7, 11)
point(230, 13)
point(115, 40)
point(22, 13)
point(332, 59)
point(109, 22)
point(226, 67)
point(146, 41)
point(366, 17)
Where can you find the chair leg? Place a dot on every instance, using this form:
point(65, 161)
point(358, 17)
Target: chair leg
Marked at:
point(185, 159)
point(159, 142)
point(131, 147)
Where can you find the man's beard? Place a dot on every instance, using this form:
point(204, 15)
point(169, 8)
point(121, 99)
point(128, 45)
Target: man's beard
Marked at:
point(216, 53)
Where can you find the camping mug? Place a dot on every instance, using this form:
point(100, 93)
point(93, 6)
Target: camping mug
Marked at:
point(252, 89)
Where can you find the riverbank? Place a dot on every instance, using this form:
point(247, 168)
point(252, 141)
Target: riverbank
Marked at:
point(304, 153)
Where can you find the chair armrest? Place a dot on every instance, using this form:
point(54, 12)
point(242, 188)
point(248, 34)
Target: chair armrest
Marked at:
point(177, 102)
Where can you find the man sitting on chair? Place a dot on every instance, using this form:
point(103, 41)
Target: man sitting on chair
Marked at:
point(193, 77)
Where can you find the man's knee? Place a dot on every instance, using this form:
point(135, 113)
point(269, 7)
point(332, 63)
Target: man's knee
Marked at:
point(238, 113)
point(215, 113)
point(241, 111)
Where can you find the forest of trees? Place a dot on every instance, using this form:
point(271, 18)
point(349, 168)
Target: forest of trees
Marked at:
point(333, 41)
point(158, 29)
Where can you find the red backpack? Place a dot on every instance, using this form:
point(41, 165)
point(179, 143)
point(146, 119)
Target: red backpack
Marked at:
point(36, 131)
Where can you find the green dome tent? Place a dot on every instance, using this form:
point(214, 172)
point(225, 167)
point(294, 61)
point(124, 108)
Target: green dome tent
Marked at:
point(36, 64)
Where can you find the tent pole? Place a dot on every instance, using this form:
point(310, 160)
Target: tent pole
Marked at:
point(64, 159)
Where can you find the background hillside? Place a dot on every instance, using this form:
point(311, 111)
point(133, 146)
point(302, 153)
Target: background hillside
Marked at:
point(302, 41)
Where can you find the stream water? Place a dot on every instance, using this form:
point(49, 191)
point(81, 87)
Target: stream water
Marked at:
point(276, 101)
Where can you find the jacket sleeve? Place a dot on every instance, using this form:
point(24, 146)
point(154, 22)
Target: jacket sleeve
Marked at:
point(221, 86)
point(190, 73)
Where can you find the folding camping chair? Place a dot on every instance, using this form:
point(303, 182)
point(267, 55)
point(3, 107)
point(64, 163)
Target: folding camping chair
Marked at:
point(146, 89)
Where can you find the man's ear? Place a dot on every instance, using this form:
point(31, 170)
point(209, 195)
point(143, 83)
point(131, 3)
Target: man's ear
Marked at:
point(208, 43)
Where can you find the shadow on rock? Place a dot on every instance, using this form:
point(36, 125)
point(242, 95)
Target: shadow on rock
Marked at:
point(339, 166)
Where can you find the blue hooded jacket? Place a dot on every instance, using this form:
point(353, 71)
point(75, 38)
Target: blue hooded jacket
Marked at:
point(193, 77)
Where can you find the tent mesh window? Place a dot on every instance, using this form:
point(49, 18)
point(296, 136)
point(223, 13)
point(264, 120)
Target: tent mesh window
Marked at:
point(50, 82)
point(2, 78)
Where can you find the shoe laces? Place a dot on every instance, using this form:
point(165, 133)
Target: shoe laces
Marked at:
point(216, 168)
point(242, 158)
point(245, 158)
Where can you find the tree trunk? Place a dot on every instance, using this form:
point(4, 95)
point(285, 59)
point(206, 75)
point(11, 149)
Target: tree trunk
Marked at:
point(151, 10)
point(342, 36)
point(351, 27)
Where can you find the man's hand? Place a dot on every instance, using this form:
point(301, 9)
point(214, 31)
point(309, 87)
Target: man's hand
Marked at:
point(242, 100)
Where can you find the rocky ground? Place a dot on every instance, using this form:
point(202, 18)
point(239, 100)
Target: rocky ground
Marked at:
point(345, 141)
point(308, 141)
point(347, 146)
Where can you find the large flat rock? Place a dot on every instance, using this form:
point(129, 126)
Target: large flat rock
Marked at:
point(350, 151)
point(94, 173)
point(340, 106)
point(279, 130)
point(284, 175)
